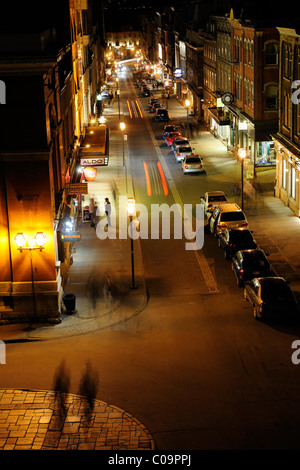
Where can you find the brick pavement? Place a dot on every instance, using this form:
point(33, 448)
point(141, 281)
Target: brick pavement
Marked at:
point(35, 420)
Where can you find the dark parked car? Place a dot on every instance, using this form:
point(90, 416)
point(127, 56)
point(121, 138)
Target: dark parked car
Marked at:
point(146, 92)
point(161, 114)
point(248, 264)
point(152, 101)
point(169, 128)
point(271, 298)
point(155, 106)
point(233, 240)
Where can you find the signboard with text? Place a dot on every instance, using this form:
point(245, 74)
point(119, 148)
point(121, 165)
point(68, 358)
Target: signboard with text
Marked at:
point(94, 161)
point(70, 236)
point(76, 188)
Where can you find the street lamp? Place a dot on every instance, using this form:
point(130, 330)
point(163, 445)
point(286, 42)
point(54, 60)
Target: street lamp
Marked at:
point(20, 240)
point(187, 104)
point(242, 155)
point(118, 95)
point(122, 127)
point(131, 212)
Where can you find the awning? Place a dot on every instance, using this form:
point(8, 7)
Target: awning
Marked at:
point(217, 118)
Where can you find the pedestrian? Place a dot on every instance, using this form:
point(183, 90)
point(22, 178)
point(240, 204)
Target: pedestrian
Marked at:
point(274, 186)
point(107, 210)
point(61, 385)
point(92, 212)
point(88, 388)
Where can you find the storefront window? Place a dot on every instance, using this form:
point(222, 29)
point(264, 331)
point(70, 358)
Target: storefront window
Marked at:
point(265, 153)
point(293, 183)
point(284, 172)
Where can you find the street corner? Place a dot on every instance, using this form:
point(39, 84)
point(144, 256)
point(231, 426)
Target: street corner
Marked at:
point(47, 420)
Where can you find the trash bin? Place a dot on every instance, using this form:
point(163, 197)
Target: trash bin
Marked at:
point(70, 301)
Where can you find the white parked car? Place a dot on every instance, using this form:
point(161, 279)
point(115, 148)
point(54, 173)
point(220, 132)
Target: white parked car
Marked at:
point(192, 164)
point(226, 216)
point(182, 152)
point(180, 141)
point(211, 199)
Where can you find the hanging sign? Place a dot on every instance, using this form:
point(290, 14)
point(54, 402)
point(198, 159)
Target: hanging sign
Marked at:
point(70, 236)
point(76, 188)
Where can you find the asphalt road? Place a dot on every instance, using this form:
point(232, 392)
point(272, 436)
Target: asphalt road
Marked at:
point(194, 366)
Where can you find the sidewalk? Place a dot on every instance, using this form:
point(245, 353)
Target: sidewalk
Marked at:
point(34, 420)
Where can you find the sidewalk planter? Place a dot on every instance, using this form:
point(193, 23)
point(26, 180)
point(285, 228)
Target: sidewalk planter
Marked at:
point(69, 301)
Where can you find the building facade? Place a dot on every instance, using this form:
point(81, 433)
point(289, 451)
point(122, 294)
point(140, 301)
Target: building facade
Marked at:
point(43, 74)
point(287, 139)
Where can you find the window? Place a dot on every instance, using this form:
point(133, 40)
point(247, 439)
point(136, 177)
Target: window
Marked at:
point(286, 60)
point(272, 54)
point(271, 94)
point(284, 172)
point(293, 183)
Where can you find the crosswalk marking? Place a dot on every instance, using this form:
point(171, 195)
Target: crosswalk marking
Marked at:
point(134, 109)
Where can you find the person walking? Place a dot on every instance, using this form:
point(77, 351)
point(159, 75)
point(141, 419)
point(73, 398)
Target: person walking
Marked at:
point(92, 211)
point(107, 210)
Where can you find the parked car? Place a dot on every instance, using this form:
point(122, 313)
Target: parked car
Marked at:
point(105, 94)
point(169, 128)
point(171, 136)
point(146, 92)
point(226, 216)
point(161, 114)
point(210, 199)
point(233, 240)
point(182, 152)
point(155, 106)
point(152, 101)
point(192, 164)
point(271, 298)
point(180, 141)
point(248, 264)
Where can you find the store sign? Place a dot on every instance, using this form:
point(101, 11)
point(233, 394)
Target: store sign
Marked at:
point(76, 188)
point(177, 73)
point(243, 126)
point(167, 79)
point(95, 161)
point(70, 236)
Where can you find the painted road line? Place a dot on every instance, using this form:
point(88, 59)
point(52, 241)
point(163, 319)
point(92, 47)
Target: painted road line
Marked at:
point(148, 184)
point(140, 111)
point(163, 179)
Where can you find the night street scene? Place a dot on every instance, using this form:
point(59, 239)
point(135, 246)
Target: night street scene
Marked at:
point(149, 230)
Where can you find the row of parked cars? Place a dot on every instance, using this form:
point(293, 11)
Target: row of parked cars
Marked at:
point(183, 150)
point(270, 296)
point(156, 108)
point(143, 87)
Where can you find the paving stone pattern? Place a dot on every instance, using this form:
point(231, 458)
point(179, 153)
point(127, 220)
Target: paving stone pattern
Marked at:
point(37, 420)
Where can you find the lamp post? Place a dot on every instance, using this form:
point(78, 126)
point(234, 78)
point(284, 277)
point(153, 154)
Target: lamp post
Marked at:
point(131, 212)
point(118, 94)
point(122, 127)
point(187, 104)
point(20, 240)
point(242, 155)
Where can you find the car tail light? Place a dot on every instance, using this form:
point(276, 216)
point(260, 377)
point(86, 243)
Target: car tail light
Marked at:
point(230, 245)
point(244, 224)
point(241, 272)
point(209, 205)
point(186, 167)
point(192, 153)
point(200, 166)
